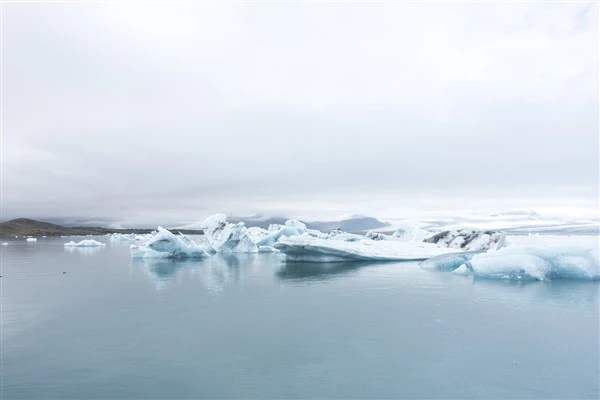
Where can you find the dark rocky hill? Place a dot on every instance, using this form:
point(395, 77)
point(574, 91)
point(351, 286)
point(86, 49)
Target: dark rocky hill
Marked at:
point(30, 227)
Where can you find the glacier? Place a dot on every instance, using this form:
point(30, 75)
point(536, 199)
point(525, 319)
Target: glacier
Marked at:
point(86, 243)
point(225, 237)
point(311, 249)
point(522, 263)
point(469, 240)
point(164, 244)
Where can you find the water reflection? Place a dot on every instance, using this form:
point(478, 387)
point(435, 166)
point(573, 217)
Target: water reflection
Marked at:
point(83, 250)
point(563, 293)
point(213, 273)
point(318, 271)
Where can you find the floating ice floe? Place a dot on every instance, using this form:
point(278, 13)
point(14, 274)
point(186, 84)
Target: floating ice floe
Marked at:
point(469, 240)
point(120, 237)
point(226, 237)
point(164, 244)
point(4, 244)
point(86, 243)
point(306, 248)
point(32, 239)
point(523, 263)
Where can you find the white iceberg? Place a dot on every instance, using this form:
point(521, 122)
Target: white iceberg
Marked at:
point(226, 237)
point(85, 243)
point(257, 234)
point(536, 263)
point(338, 234)
point(276, 232)
point(522, 263)
point(469, 240)
point(120, 237)
point(267, 249)
point(5, 244)
point(165, 244)
point(448, 262)
point(409, 232)
point(32, 239)
point(376, 236)
point(310, 249)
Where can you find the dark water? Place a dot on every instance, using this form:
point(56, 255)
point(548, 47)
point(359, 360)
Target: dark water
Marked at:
point(250, 326)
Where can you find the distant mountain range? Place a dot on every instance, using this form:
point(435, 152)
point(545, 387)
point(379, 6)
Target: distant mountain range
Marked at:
point(352, 224)
point(30, 227)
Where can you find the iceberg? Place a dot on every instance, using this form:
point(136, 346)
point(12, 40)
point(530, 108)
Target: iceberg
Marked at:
point(120, 237)
point(311, 249)
point(257, 234)
point(275, 232)
point(522, 263)
point(226, 237)
point(338, 234)
point(410, 231)
point(32, 239)
point(85, 243)
point(376, 236)
point(536, 263)
point(5, 244)
point(165, 244)
point(469, 240)
point(448, 262)
point(267, 249)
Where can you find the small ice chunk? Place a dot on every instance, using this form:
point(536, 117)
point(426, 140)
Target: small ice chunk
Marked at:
point(32, 239)
point(376, 236)
point(448, 262)
point(462, 270)
point(267, 249)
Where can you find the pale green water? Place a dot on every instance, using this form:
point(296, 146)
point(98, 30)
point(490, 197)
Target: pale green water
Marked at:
point(251, 327)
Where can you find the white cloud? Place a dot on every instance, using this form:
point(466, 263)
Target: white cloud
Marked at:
point(140, 108)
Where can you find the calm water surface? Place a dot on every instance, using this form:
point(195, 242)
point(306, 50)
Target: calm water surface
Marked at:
point(250, 326)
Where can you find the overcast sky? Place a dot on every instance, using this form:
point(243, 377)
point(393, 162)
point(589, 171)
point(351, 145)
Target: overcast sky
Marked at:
point(169, 112)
